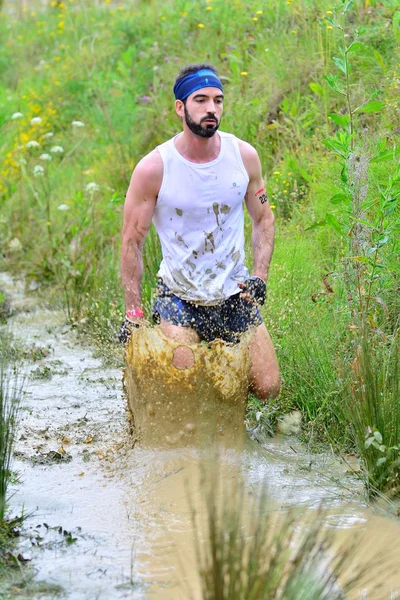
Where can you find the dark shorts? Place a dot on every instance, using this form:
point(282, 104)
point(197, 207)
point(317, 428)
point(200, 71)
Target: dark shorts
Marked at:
point(226, 321)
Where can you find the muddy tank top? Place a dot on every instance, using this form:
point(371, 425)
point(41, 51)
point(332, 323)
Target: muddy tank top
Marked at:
point(199, 218)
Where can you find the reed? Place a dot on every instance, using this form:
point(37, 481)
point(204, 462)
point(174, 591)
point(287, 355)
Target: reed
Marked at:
point(247, 552)
point(373, 409)
point(10, 391)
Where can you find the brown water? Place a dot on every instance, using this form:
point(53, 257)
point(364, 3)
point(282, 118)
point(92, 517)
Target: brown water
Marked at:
point(132, 504)
point(196, 406)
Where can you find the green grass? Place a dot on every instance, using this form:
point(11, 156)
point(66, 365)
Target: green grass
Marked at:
point(9, 403)
point(373, 408)
point(10, 394)
point(245, 551)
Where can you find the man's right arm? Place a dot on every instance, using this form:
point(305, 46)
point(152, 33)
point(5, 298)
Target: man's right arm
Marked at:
point(138, 212)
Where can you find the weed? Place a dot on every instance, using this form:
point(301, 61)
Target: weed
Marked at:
point(246, 552)
point(10, 393)
point(374, 411)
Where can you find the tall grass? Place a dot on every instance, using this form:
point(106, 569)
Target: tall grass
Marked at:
point(245, 552)
point(373, 408)
point(10, 391)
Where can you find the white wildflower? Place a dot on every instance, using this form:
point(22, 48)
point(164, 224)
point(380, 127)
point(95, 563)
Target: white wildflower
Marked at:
point(32, 144)
point(38, 171)
point(17, 115)
point(36, 121)
point(77, 124)
point(92, 187)
point(63, 207)
point(48, 135)
point(45, 156)
point(57, 149)
point(14, 245)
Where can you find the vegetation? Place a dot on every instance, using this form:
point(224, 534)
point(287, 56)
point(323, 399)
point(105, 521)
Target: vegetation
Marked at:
point(245, 550)
point(10, 391)
point(85, 92)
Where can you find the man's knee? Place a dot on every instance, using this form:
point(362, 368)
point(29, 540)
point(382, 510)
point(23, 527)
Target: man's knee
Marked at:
point(183, 357)
point(267, 388)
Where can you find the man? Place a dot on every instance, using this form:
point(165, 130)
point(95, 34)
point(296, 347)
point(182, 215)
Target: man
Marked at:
point(192, 187)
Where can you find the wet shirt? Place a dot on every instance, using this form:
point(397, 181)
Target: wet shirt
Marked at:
point(199, 218)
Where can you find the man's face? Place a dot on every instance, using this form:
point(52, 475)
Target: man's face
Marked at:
point(203, 111)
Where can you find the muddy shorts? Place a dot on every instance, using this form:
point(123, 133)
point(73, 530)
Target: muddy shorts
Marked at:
point(226, 321)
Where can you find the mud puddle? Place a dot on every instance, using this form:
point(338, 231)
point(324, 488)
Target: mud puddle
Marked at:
point(106, 520)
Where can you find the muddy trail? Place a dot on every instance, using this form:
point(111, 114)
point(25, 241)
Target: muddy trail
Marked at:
point(107, 518)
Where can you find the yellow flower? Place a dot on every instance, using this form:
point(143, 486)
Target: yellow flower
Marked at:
point(293, 31)
point(255, 18)
point(272, 206)
point(329, 27)
point(200, 26)
point(277, 172)
point(259, 12)
point(329, 12)
point(244, 73)
point(209, 7)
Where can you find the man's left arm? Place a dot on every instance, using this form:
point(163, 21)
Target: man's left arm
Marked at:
point(257, 203)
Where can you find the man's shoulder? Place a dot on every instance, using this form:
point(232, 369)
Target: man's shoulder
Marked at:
point(151, 164)
point(249, 156)
point(150, 167)
point(148, 173)
point(246, 149)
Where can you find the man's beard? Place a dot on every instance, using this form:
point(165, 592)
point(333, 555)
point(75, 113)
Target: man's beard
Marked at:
point(196, 128)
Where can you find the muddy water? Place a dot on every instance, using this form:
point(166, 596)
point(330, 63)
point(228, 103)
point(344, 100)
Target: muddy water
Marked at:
point(195, 406)
point(124, 512)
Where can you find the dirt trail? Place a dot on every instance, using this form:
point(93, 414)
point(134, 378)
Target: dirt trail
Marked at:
point(124, 515)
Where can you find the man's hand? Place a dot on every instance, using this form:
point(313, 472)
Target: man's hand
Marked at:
point(254, 290)
point(133, 319)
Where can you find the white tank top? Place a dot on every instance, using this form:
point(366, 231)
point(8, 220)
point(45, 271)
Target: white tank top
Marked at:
point(199, 218)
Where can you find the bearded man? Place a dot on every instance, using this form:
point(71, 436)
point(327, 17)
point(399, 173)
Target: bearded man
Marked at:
point(193, 187)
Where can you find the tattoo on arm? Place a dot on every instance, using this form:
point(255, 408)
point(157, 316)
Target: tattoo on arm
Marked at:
point(262, 195)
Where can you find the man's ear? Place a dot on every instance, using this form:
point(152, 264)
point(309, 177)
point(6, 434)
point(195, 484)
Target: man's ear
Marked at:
point(180, 108)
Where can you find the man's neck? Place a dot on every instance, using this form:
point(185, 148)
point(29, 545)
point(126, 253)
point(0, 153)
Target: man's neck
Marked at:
point(197, 149)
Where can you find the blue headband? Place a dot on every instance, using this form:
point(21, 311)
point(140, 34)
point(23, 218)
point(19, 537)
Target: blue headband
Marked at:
point(195, 81)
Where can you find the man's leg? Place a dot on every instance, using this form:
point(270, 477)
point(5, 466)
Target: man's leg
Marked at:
point(183, 355)
point(264, 373)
